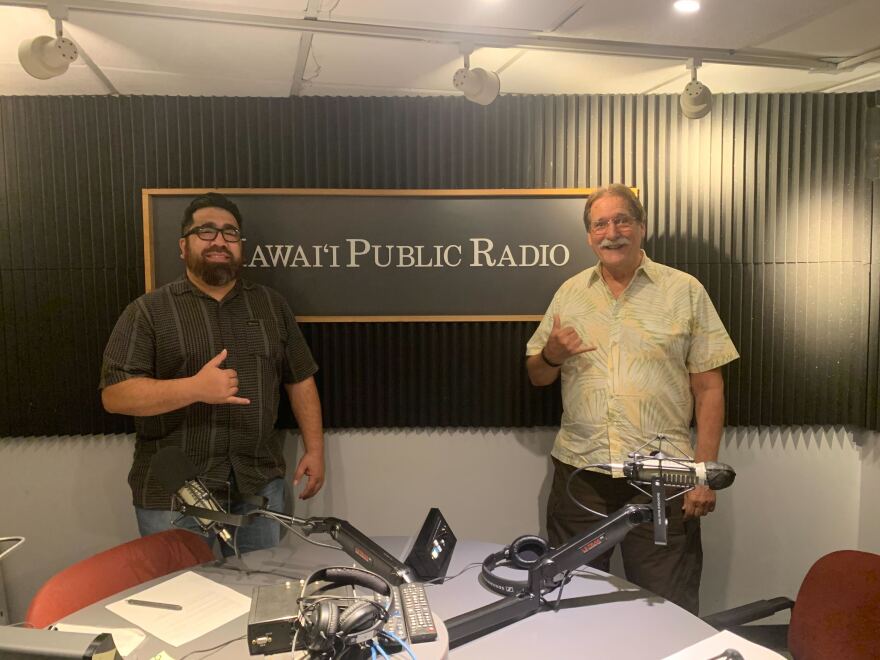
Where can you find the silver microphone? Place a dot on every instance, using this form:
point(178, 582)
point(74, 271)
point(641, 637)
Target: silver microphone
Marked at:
point(179, 477)
point(676, 472)
point(194, 493)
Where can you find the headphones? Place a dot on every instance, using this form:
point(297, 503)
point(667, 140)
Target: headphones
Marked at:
point(331, 624)
point(523, 553)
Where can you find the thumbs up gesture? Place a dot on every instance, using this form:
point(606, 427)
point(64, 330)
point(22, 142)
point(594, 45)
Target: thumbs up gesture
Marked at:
point(217, 385)
point(563, 343)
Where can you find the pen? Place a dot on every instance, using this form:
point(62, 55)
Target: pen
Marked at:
point(150, 603)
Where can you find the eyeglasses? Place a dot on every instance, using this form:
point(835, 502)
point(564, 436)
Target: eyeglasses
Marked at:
point(209, 233)
point(622, 222)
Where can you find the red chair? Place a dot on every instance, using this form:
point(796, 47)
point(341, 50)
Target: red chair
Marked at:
point(836, 613)
point(115, 570)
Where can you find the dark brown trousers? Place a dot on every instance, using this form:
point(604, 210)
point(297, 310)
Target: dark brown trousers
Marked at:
point(672, 572)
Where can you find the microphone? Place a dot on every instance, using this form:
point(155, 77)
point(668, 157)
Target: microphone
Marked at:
point(676, 472)
point(178, 476)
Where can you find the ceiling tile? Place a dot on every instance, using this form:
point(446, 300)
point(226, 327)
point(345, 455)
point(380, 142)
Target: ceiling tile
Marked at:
point(79, 79)
point(164, 83)
point(541, 72)
point(719, 24)
point(850, 30)
point(162, 45)
point(509, 14)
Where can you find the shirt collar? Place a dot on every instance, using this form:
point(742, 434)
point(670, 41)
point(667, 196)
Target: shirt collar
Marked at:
point(183, 285)
point(648, 267)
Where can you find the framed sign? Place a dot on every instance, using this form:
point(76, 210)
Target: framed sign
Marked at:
point(393, 255)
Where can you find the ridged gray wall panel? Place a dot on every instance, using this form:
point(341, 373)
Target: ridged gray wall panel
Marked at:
point(767, 201)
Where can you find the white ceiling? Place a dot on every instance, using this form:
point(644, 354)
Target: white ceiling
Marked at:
point(169, 54)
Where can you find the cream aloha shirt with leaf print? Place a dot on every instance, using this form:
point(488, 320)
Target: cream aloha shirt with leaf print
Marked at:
point(636, 384)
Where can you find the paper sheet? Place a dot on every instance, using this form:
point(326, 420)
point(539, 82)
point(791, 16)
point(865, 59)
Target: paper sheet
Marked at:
point(126, 639)
point(205, 606)
point(719, 643)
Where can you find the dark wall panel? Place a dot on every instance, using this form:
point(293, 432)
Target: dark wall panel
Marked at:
point(768, 201)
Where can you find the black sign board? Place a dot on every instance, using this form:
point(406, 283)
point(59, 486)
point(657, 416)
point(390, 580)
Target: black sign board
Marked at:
point(382, 255)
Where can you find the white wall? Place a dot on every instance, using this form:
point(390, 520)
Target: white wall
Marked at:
point(795, 498)
point(869, 521)
point(69, 497)
point(799, 493)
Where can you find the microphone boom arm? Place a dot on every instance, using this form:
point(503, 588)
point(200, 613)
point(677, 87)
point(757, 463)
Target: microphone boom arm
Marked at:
point(547, 575)
point(357, 545)
point(353, 542)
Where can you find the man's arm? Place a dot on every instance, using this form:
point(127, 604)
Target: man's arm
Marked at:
point(541, 373)
point(306, 406)
point(708, 390)
point(142, 396)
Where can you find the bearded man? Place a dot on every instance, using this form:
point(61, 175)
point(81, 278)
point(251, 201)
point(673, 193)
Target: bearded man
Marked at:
point(200, 364)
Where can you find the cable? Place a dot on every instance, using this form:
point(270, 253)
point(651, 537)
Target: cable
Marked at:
point(235, 537)
point(562, 584)
point(284, 523)
point(295, 637)
point(399, 640)
point(253, 571)
point(18, 541)
point(574, 499)
point(317, 66)
point(374, 644)
point(213, 648)
point(332, 9)
point(441, 580)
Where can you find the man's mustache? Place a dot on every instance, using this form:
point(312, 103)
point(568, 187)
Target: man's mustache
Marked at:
point(618, 242)
point(220, 249)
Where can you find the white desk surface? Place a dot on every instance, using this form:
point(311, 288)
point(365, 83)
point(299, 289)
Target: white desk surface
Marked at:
point(600, 616)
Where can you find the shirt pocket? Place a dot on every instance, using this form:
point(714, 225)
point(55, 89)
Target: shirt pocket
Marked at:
point(663, 339)
point(259, 339)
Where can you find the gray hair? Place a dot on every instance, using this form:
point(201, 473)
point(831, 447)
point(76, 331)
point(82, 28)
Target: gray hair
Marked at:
point(636, 210)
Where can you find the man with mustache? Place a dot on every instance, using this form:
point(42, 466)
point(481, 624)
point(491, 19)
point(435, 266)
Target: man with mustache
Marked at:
point(200, 363)
point(639, 348)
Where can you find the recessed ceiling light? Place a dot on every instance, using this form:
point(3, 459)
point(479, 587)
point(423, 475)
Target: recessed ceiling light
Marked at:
point(686, 6)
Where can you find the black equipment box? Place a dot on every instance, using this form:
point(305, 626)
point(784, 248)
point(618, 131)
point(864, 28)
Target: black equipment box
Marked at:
point(274, 609)
point(432, 551)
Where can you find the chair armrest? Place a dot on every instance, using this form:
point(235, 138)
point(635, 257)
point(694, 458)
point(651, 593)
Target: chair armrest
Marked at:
point(748, 613)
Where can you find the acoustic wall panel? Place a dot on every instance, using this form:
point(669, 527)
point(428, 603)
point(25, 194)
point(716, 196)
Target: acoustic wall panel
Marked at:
point(767, 200)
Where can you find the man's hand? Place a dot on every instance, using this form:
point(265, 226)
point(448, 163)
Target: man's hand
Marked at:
point(216, 385)
point(563, 343)
point(312, 466)
point(698, 502)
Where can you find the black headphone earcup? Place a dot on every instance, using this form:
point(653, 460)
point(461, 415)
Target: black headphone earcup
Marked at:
point(358, 617)
point(321, 626)
point(528, 550)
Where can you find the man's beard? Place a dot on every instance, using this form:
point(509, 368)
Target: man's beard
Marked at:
point(213, 273)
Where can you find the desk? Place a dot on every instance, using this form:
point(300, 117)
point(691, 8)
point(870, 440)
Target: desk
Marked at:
point(600, 616)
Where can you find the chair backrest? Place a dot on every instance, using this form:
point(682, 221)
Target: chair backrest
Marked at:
point(115, 570)
point(837, 610)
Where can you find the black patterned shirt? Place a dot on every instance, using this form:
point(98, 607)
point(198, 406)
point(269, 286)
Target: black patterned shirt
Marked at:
point(171, 333)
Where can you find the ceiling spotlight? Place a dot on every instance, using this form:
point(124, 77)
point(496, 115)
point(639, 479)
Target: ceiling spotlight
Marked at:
point(45, 57)
point(686, 6)
point(477, 85)
point(696, 99)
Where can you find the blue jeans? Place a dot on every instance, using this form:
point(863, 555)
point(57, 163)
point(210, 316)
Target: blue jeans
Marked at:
point(261, 533)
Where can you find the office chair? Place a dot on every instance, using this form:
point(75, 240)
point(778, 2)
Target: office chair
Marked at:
point(836, 613)
point(115, 570)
